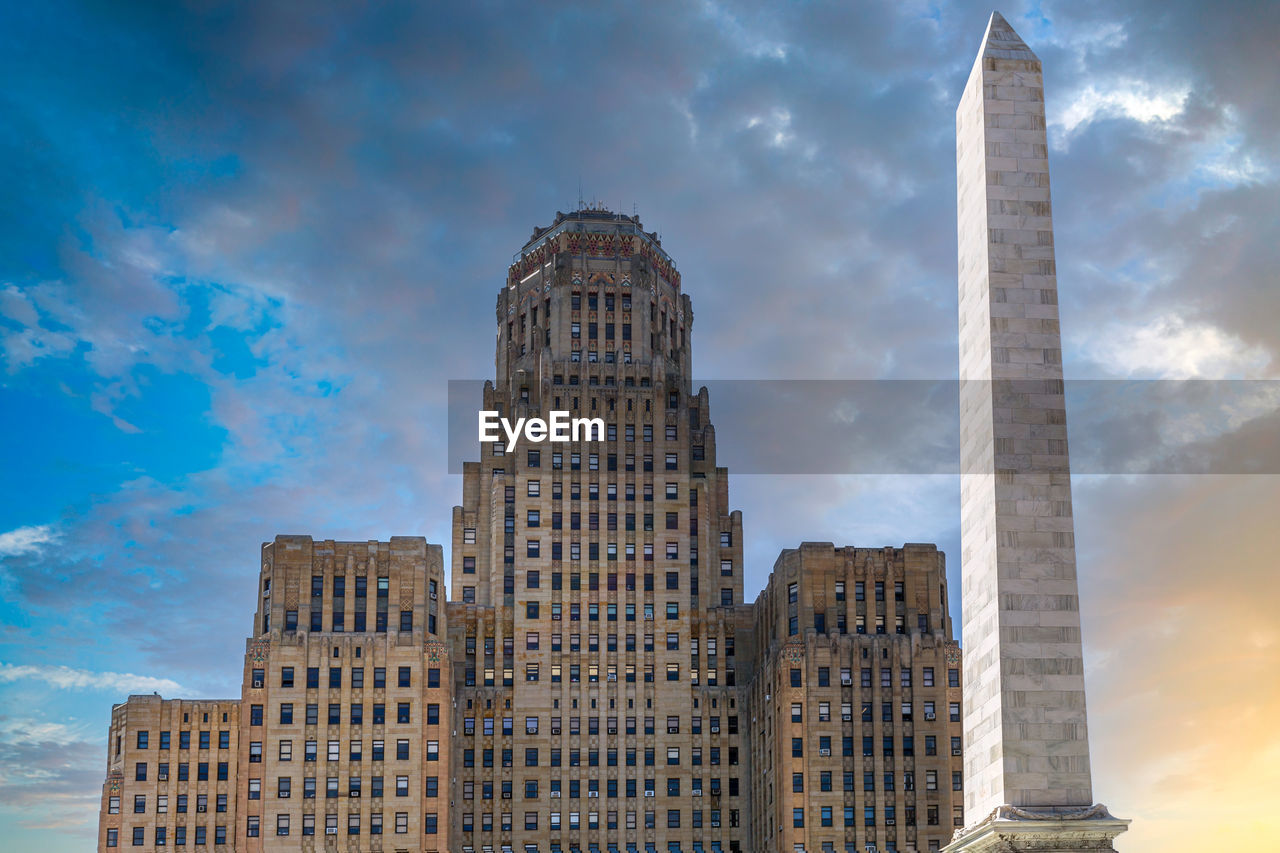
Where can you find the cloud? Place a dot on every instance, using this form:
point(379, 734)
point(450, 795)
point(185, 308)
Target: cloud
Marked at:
point(1171, 347)
point(1183, 692)
point(50, 777)
point(26, 540)
point(67, 678)
point(27, 731)
point(1137, 100)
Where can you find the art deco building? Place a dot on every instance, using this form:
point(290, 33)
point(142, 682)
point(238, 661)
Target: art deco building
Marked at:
point(595, 682)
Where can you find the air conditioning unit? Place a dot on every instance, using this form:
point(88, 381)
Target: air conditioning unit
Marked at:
point(257, 683)
point(555, 795)
point(824, 752)
point(163, 777)
point(353, 794)
point(433, 596)
point(697, 792)
point(284, 795)
point(613, 731)
point(956, 751)
point(202, 808)
point(649, 794)
point(846, 681)
point(889, 822)
point(929, 715)
point(331, 830)
point(846, 717)
point(715, 730)
point(591, 794)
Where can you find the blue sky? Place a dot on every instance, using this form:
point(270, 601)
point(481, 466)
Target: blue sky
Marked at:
point(243, 248)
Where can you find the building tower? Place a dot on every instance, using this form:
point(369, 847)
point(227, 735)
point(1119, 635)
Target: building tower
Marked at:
point(1027, 777)
point(346, 696)
point(854, 703)
point(594, 683)
point(595, 584)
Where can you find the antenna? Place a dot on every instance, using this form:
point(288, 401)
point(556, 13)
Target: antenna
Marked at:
point(579, 192)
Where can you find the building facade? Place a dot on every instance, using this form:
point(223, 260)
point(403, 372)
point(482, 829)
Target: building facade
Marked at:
point(595, 681)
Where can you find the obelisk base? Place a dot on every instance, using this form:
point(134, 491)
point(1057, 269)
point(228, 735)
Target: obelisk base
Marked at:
point(1010, 829)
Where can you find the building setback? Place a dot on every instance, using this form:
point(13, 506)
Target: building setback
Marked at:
point(595, 681)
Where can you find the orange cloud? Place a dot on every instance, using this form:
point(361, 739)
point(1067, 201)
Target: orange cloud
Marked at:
point(1179, 598)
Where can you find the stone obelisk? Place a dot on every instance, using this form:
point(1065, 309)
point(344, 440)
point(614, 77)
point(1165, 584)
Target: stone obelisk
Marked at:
point(1027, 779)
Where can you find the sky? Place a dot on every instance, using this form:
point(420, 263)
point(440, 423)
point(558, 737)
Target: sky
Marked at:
point(244, 248)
